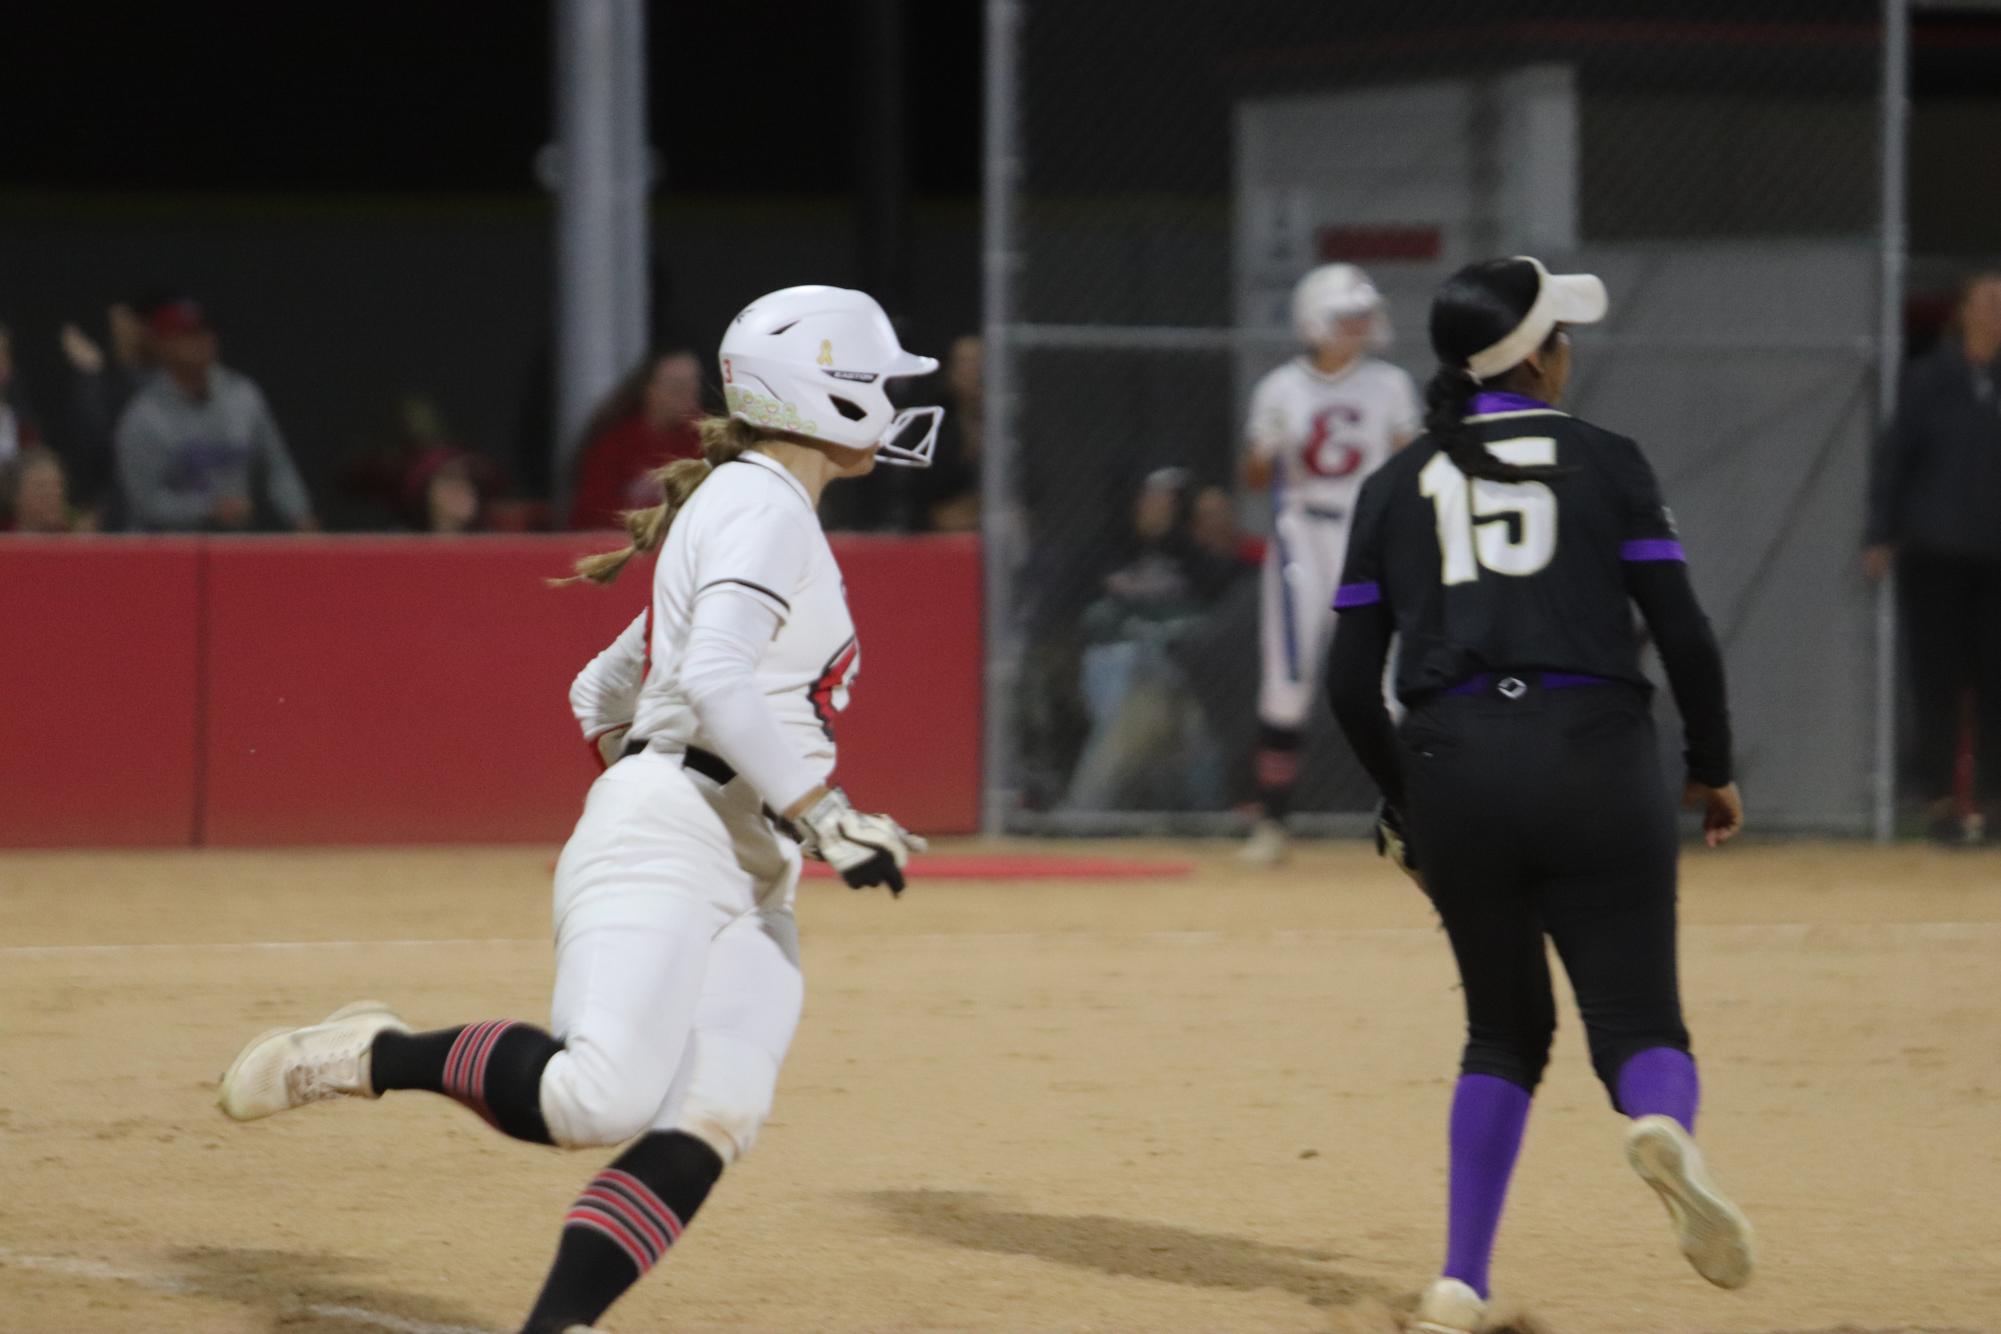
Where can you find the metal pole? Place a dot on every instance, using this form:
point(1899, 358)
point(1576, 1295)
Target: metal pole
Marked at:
point(1889, 365)
point(883, 178)
point(635, 170)
point(593, 240)
point(998, 521)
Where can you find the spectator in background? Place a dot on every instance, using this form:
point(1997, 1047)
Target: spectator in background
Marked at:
point(101, 388)
point(945, 498)
point(648, 421)
point(197, 448)
point(1935, 515)
point(1150, 746)
point(448, 489)
point(34, 495)
point(17, 433)
point(409, 470)
point(1224, 677)
point(1214, 528)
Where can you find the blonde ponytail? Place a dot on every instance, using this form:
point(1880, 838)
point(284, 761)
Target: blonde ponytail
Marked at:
point(723, 439)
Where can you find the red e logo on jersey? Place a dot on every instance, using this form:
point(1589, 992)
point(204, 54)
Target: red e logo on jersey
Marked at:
point(829, 693)
point(1332, 449)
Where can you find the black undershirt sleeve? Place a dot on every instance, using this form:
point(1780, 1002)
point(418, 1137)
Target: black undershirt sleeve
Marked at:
point(1694, 663)
point(1355, 689)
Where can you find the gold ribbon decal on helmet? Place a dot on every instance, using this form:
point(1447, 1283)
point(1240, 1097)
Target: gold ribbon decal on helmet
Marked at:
point(826, 351)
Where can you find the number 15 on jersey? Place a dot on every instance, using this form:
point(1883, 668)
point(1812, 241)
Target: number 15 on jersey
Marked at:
point(1474, 531)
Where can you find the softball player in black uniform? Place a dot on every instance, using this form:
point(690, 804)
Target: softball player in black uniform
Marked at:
point(1507, 547)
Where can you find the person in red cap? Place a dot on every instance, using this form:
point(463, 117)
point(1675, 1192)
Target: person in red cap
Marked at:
point(198, 450)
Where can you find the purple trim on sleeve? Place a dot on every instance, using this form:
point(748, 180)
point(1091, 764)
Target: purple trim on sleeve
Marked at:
point(1357, 595)
point(1495, 400)
point(1653, 548)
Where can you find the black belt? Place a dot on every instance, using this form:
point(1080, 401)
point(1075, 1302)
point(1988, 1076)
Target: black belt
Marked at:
point(718, 771)
point(704, 762)
point(1326, 515)
point(709, 765)
point(1514, 685)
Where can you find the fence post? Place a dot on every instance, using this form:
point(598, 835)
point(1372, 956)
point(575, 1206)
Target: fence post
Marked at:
point(997, 504)
point(600, 167)
point(1889, 365)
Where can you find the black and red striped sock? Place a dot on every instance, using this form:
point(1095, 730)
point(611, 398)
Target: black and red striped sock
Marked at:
point(495, 1068)
point(622, 1225)
point(1277, 769)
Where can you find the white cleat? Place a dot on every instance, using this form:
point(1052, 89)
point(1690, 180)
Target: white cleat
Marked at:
point(1448, 1307)
point(1268, 845)
point(290, 1067)
point(1714, 1234)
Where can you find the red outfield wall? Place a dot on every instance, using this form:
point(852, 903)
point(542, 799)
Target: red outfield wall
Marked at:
point(261, 691)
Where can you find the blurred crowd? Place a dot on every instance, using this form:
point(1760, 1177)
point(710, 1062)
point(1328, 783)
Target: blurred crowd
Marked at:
point(150, 432)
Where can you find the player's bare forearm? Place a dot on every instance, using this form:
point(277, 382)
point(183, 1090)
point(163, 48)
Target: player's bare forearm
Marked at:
point(799, 807)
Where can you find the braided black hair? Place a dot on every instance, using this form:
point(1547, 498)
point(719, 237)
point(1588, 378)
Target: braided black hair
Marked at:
point(1474, 309)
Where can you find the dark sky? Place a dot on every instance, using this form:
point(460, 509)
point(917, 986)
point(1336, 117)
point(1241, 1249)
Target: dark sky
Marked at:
point(748, 96)
point(756, 96)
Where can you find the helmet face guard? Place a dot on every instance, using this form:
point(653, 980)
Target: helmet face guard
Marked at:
point(912, 438)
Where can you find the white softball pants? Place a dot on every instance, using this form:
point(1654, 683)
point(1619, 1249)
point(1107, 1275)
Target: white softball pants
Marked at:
point(677, 961)
point(1302, 568)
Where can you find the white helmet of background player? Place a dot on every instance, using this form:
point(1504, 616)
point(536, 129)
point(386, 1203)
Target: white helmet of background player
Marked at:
point(817, 361)
point(1332, 293)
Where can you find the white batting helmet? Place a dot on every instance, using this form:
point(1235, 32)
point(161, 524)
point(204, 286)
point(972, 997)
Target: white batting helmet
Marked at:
point(816, 361)
point(1334, 292)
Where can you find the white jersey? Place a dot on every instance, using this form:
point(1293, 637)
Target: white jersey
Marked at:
point(751, 528)
point(677, 958)
point(1324, 433)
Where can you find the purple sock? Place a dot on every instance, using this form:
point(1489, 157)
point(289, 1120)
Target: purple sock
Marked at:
point(1660, 1081)
point(1488, 1117)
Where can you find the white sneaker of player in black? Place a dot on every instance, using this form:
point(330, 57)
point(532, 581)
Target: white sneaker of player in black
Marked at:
point(1447, 1307)
point(290, 1067)
point(1714, 1234)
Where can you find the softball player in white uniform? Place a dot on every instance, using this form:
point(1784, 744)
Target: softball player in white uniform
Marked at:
point(1318, 425)
point(677, 961)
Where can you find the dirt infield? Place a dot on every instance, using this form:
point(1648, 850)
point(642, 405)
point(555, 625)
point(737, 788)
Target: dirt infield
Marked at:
point(1212, 1104)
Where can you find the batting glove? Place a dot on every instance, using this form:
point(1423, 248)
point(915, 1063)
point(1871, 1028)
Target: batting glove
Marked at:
point(866, 849)
point(1394, 843)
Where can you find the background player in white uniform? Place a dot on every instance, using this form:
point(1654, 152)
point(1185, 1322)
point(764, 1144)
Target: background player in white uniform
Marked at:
point(677, 960)
point(1318, 425)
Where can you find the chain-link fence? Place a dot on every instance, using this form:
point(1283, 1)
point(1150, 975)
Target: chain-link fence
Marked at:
point(1160, 175)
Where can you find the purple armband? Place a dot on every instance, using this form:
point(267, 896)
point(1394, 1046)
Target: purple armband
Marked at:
point(1357, 595)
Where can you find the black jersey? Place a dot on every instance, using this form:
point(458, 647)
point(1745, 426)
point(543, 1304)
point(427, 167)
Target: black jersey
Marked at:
point(1483, 576)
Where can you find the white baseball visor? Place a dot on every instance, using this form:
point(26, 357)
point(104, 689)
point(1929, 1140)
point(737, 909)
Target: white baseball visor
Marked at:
point(1562, 298)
